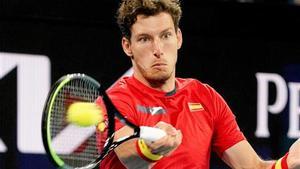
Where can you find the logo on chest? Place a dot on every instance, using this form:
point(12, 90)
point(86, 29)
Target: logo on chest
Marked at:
point(195, 107)
point(151, 110)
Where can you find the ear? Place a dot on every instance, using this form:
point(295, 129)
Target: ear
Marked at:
point(126, 47)
point(179, 38)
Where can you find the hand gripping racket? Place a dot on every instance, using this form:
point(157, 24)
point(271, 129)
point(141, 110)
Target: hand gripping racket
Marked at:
point(72, 146)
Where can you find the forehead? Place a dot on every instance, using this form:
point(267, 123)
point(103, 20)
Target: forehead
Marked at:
point(152, 24)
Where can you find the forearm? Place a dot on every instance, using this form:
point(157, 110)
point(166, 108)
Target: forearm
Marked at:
point(252, 164)
point(143, 155)
point(288, 161)
point(293, 162)
point(256, 163)
point(127, 152)
point(266, 164)
point(129, 157)
point(293, 159)
point(243, 156)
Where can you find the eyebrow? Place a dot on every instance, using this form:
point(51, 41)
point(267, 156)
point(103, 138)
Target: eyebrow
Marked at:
point(162, 32)
point(166, 30)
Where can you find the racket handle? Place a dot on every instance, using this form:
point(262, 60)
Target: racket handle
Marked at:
point(151, 133)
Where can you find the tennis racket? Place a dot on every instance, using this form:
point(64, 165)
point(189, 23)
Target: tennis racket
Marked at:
point(83, 147)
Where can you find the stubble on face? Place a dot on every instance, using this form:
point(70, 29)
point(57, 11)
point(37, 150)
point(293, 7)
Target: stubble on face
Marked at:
point(156, 76)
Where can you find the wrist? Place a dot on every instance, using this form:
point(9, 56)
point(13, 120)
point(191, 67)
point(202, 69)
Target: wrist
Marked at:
point(145, 152)
point(281, 163)
point(293, 161)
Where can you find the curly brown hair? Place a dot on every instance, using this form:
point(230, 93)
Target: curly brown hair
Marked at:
point(130, 9)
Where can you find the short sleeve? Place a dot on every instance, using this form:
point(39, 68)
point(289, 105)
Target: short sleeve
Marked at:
point(226, 130)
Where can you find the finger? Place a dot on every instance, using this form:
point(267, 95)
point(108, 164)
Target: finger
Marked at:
point(168, 128)
point(167, 145)
point(177, 141)
point(168, 141)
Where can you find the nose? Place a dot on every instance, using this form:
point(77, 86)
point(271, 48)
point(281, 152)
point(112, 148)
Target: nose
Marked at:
point(157, 48)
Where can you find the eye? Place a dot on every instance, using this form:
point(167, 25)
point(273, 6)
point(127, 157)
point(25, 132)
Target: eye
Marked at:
point(166, 35)
point(143, 39)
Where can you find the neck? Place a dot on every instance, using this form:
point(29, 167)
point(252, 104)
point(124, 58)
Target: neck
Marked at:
point(166, 86)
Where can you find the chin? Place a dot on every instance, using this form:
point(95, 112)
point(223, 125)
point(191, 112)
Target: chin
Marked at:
point(159, 77)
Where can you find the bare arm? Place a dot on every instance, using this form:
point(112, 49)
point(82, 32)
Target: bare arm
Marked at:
point(294, 155)
point(126, 152)
point(128, 155)
point(242, 156)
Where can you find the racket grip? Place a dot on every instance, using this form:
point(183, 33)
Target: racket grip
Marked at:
point(151, 133)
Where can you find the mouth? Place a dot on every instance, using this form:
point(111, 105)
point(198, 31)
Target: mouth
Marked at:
point(159, 65)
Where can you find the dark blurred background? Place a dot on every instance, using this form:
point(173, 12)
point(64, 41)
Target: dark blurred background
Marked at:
point(226, 43)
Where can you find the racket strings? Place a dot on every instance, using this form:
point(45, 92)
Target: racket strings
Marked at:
point(86, 152)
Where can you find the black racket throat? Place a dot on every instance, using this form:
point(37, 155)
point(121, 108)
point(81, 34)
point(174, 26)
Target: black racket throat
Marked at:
point(110, 106)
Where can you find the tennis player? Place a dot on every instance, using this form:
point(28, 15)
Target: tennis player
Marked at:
point(195, 117)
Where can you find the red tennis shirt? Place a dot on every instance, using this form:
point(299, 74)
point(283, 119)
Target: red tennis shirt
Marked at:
point(205, 120)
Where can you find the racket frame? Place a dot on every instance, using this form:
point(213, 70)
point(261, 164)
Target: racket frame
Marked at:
point(112, 112)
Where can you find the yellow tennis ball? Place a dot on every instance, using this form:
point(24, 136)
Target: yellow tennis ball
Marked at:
point(84, 114)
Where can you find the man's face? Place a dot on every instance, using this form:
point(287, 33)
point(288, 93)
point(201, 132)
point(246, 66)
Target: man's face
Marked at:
point(153, 47)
